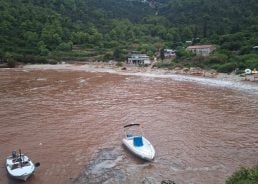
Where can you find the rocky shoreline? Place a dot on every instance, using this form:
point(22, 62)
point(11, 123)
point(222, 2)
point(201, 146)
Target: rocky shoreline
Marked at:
point(127, 69)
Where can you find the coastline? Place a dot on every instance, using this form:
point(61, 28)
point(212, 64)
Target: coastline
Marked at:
point(221, 80)
point(129, 69)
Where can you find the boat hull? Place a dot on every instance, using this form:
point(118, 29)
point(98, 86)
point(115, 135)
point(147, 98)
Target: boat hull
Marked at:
point(22, 177)
point(145, 152)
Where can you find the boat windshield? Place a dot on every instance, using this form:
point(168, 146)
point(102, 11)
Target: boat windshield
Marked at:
point(133, 130)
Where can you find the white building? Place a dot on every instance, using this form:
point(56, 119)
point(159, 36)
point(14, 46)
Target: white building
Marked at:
point(169, 53)
point(201, 50)
point(139, 59)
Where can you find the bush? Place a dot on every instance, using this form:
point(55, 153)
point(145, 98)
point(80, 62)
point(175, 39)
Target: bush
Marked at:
point(119, 64)
point(119, 54)
point(225, 68)
point(52, 62)
point(245, 50)
point(169, 65)
point(244, 176)
point(11, 63)
point(65, 46)
point(218, 59)
point(111, 44)
point(251, 61)
point(183, 53)
point(232, 46)
point(107, 57)
point(30, 59)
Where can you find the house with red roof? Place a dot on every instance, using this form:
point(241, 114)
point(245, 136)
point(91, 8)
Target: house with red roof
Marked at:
point(201, 50)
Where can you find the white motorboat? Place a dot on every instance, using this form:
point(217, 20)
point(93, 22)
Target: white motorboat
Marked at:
point(20, 166)
point(138, 144)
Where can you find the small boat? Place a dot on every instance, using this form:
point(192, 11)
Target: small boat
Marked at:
point(138, 144)
point(20, 166)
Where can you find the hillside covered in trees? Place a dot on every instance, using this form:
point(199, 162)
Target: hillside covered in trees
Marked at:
point(42, 30)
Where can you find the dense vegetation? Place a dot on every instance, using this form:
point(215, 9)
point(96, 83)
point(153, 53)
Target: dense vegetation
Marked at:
point(244, 176)
point(52, 30)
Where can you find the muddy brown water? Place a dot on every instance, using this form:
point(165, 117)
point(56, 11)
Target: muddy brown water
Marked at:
point(71, 122)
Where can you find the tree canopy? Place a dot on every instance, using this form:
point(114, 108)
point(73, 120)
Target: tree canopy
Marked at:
point(45, 28)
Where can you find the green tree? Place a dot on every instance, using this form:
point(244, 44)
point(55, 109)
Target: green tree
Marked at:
point(118, 54)
point(162, 54)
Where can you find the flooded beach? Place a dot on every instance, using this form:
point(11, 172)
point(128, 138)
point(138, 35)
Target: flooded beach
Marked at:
point(71, 121)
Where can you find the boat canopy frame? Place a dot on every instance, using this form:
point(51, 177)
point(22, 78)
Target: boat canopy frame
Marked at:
point(131, 125)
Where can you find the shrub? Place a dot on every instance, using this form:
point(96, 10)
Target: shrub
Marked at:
point(119, 64)
point(225, 68)
point(218, 59)
point(65, 46)
point(31, 59)
point(244, 176)
point(11, 63)
point(107, 57)
point(182, 53)
point(245, 50)
point(168, 64)
point(251, 61)
point(52, 62)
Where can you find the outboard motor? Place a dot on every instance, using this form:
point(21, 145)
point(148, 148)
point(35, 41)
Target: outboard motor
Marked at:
point(14, 154)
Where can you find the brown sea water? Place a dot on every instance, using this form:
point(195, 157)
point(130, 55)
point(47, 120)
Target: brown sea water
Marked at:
point(71, 121)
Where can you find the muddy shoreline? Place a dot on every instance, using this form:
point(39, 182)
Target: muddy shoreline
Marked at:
point(127, 69)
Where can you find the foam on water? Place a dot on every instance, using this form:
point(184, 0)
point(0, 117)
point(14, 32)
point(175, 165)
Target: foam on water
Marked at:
point(231, 84)
point(238, 85)
point(225, 83)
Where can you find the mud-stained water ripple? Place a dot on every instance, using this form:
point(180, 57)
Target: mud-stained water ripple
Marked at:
point(72, 122)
